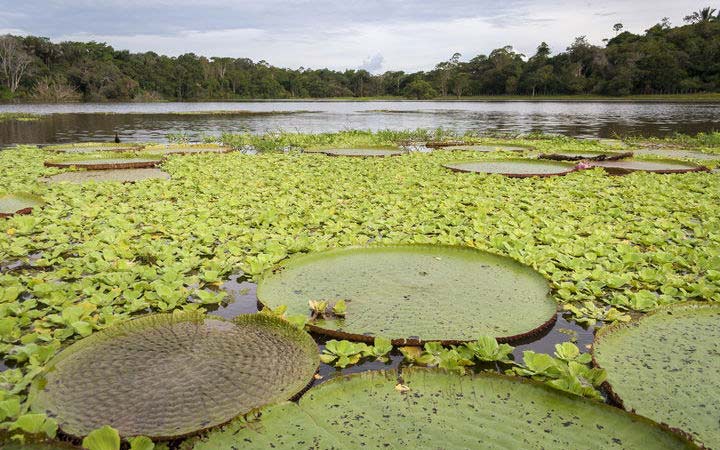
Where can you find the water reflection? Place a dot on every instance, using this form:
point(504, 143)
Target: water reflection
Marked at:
point(153, 121)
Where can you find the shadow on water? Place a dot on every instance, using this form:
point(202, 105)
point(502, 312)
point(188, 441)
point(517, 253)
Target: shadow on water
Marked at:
point(243, 300)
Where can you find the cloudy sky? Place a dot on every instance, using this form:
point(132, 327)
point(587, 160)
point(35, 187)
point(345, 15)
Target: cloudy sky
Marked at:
point(372, 34)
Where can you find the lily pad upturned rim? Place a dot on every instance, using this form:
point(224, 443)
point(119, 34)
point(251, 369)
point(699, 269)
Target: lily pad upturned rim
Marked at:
point(571, 167)
point(579, 155)
point(615, 170)
point(538, 330)
point(37, 200)
point(100, 164)
point(513, 148)
point(608, 330)
point(418, 378)
point(304, 341)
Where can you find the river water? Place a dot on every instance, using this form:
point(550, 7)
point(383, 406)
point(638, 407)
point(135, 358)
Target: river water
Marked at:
point(154, 121)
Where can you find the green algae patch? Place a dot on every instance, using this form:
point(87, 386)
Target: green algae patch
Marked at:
point(93, 147)
point(514, 168)
point(101, 176)
point(19, 203)
point(186, 149)
point(433, 409)
point(666, 366)
point(106, 163)
point(171, 375)
point(654, 166)
point(414, 293)
point(361, 152)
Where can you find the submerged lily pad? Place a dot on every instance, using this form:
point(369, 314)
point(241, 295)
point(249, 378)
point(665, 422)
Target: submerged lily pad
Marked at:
point(666, 366)
point(489, 148)
point(170, 375)
point(18, 204)
point(120, 175)
point(414, 293)
point(93, 147)
point(655, 166)
point(441, 410)
point(585, 155)
point(362, 152)
point(187, 149)
point(107, 163)
point(517, 168)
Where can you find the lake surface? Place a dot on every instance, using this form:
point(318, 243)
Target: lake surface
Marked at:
point(154, 121)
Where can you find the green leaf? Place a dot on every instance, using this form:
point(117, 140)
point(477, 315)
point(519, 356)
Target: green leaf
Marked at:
point(141, 443)
point(104, 438)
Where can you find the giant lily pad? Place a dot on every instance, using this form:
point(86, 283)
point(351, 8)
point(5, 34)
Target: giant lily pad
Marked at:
point(585, 155)
point(170, 375)
point(18, 204)
point(120, 175)
point(656, 166)
point(516, 168)
point(415, 293)
point(489, 148)
point(362, 152)
point(93, 147)
point(666, 366)
point(441, 410)
point(106, 163)
point(679, 153)
point(187, 149)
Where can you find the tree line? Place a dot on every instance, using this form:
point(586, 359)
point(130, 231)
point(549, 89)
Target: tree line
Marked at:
point(662, 60)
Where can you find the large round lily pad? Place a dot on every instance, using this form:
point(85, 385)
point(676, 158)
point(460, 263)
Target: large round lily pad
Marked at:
point(679, 153)
point(655, 166)
point(441, 411)
point(171, 375)
point(187, 149)
point(516, 168)
point(93, 147)
point(567, 155)
point(414, 293)
point(362, 152)
point(666, 366)
point(107, 163)
point(489, 148)
point(19, 203)
point(120, 176)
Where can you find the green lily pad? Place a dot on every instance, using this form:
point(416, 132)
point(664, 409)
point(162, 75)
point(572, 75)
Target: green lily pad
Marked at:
point(489, 148)
point(414, 293)
point(19, 203)
point(585, 155)
point(106, 163)
point(93, 147)
point(441, 411)
point(517, 168)
point(119, 175)
point(362, 152)
point(677, 153)
point(170, 375)
point(187, 149)
point(665, 366)
point(655, 166)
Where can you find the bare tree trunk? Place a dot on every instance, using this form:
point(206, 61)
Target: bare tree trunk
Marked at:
point(14, 61)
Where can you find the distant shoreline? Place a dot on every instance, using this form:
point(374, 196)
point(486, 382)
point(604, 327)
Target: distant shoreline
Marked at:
point(650, 98)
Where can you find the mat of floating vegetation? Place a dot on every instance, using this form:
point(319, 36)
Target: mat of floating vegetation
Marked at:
point(187, 149)
point(612, 142)
point(19, 203)
point(676, 153)
point(106, 163)
point(361, 152)
point(439, 144)
point(489, 148)
point(414, 293)
point(47, 445)
point(656, 166)
point(517, 168)
point(585, 155)
point(434, 409)
point(665, 366)
point(171, 375)
point(92, 147)
point(99, 176)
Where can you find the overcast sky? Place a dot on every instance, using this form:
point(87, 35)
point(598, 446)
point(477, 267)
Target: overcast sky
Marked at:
point(375, 35)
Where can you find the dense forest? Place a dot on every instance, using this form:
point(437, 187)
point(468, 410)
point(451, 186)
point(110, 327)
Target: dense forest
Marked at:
point(663, 60)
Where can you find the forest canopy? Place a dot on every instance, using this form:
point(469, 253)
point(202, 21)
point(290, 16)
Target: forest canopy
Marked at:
point(664, 60)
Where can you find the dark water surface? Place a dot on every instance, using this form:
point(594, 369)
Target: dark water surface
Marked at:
point(153, 121)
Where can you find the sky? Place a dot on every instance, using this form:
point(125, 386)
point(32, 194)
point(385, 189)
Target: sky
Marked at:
point(374, 35)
